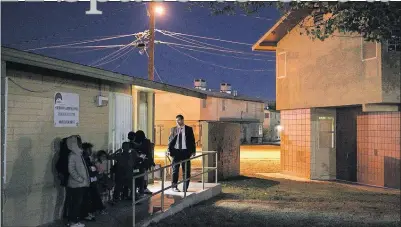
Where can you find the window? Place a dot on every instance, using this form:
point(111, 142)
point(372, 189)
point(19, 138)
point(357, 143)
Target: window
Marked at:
point(369, 50)
point(394, 44)
point(223, 105)
point(318, 19)
point(246, 107)
point(203, 103)
point(267, 115)
point(281, 65)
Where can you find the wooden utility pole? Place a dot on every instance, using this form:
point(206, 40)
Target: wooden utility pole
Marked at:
point(151, 50)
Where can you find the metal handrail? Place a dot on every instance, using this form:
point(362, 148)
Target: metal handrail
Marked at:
point(162, 169)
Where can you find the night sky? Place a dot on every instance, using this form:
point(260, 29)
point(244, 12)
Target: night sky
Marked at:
point(32, 25)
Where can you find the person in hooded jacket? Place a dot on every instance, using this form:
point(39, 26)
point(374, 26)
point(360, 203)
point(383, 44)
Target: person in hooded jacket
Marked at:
point(144, 150)
point(78, 180)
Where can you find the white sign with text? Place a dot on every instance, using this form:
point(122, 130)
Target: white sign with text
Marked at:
point(66, 109)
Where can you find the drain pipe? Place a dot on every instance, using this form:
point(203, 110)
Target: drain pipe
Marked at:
point(3, 120)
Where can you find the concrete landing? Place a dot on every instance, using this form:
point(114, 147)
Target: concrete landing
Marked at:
point(149, 211)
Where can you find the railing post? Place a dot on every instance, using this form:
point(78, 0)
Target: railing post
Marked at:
point(203, 172)
point(217, 165)
point(133, 201)
point(162, 199)
point(185, 179)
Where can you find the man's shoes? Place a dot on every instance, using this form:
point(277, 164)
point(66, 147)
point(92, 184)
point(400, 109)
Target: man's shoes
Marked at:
point(176, 190)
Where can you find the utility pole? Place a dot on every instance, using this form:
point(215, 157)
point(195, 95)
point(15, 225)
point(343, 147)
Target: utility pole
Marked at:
point(151, 50)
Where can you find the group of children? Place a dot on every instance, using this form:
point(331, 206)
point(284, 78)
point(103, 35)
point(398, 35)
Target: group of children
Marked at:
point(86, 175)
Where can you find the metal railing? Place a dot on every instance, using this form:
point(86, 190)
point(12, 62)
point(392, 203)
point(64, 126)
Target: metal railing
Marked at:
point(163, 179)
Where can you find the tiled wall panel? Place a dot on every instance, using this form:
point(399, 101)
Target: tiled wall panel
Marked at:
point(296, 142)
point(378, 140)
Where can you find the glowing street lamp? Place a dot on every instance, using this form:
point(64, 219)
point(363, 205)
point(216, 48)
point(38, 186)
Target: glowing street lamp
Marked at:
point(159, 10)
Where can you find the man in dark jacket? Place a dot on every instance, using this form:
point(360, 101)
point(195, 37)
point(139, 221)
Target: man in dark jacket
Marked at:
point(181, 147)
point(144, 150)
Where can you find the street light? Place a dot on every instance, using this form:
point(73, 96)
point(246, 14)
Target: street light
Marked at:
point(159, 10)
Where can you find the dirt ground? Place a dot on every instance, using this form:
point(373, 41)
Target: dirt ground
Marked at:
point(254, 200)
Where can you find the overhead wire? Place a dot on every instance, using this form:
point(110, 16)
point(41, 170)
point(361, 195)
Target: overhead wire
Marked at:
point(111, 54)
point(82, 42)
point(117, 56)
point(195, 42)
point(199, 45)
point(225, 55)
point(216, 65)
point(209, 48)
point(204, 37)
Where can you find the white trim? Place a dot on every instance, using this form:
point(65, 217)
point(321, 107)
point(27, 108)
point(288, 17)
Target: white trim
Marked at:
point(285, 65)
point(368, 59)
point(3, 134)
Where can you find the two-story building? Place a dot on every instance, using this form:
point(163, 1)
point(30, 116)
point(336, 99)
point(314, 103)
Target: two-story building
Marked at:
point(271, 125)
point(340, 104)
point(223, 105)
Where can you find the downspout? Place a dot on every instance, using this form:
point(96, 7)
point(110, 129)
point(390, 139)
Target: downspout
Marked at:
point(3, 120)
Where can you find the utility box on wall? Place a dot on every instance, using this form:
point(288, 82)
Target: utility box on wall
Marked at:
point(225, 139)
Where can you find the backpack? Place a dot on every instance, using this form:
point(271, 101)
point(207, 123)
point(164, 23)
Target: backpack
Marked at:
point(62, 163)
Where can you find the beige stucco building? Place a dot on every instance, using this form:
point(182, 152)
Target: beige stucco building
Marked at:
point(340, 104)
point(105, 106)
point(271, 125)
point(217, 106)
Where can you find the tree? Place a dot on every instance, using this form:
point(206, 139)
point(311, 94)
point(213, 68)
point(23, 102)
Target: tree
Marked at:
point(373, 21)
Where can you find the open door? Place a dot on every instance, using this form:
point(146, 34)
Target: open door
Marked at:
point(120, 110)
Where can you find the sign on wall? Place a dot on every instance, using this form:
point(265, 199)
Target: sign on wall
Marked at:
point(66, 109)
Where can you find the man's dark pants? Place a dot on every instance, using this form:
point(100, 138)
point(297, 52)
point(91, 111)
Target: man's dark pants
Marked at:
point(181, 155)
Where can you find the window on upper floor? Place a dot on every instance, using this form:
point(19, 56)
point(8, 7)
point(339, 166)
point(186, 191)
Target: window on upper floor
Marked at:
point(204, 104)
point(223, 105)
point(394, 44)
point(369, 50)
point(318, 18)
point(246, 107)
point(267, 115)
point(281, 65)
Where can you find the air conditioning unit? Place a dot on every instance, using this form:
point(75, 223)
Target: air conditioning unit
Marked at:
point(101, 101)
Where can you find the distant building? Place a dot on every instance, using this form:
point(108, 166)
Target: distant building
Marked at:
point(224, 105)
point(271, 126)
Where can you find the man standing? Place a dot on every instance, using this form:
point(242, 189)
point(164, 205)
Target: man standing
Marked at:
point(181, 146)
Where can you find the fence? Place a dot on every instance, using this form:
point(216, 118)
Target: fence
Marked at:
point(163, 180)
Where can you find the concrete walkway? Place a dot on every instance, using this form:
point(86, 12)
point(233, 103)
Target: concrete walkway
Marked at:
point(148, 211)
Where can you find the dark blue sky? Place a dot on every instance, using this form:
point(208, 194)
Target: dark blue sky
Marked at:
point(32, 25)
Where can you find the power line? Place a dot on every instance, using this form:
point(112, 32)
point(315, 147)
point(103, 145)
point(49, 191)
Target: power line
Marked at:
point(196, 42)
point(115, 57)
point(82, 42)
point(203, 37)
point(224, 67)
point(111, 54)
point(224, 55)
point(199, 45)
point(210, 48)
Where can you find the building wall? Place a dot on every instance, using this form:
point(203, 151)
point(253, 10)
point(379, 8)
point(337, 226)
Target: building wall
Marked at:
point(270, 130)
point(295, 155)
point(168, 106)
point(224, 138)
point(32, 191)
point(332, 72)
point(378, 139)
point(391, 69)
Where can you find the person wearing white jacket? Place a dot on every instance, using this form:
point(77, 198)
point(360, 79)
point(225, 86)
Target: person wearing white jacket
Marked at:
point(78, 180)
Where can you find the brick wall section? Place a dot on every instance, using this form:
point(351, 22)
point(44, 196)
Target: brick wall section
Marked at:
point(378, 139)
point(32, 194)
point(296, 142)
point(225, 139)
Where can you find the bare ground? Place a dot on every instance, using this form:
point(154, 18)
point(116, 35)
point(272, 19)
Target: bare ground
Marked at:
point(253, 200)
